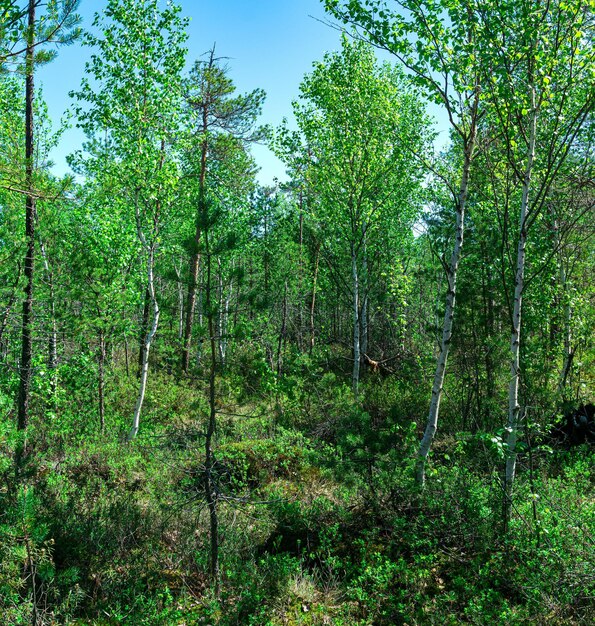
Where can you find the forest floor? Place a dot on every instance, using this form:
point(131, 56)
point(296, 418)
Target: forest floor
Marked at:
point(320, 521)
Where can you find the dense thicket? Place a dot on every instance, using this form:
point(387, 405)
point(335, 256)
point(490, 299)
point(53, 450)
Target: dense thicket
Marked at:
point(337, 400)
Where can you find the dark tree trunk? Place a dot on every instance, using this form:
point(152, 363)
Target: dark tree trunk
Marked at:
point(210, 482)
point(300, 322)
point(313, 299)
point(101, 380)
point(195, 259)
point(26, 344)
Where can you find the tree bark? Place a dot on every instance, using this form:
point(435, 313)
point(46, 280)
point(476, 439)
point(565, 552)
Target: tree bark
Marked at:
point(300, 322)
point(101, 380)
point(515, 341)
point(210, 482)
point(144, 370)
point(364, 325)
point(180, 305)
point(143, 332)
point(313, 299)
point(195, 259)
point(26, 343)
point(437, 387)
point(356, 323)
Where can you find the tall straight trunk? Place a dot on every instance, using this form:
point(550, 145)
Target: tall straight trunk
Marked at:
point(364, 289)
point(437, 387)
point(210, 483)
point(199, 347)
point(313, 299)
point(180, 306)
point(514, 408)
point(356, 323)
point(300, 322)
point(144, 370)
point(144, 329)
point(101, 352)
point(195, 258)
point(26, 342)
point(150, 249)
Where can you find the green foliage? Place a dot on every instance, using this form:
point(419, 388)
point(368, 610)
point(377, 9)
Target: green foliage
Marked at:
point(319, 522)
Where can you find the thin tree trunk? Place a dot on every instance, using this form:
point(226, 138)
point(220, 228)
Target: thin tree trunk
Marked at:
point(364, 323)
point(356, 323)
point(199, 346)
point(144, 330)
point(195, 259)
point(300, 322)
point(313, 299)
point(101, 380)
point(150, 248)
point(210, 483)
point(220, 315)
point(364, 297)
point(144, 370)
point(26, 344)
point(437, 387)
point(515, 341)
point(180, 306)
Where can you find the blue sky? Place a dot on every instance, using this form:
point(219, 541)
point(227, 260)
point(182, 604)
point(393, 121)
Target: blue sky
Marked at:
point(270, 44)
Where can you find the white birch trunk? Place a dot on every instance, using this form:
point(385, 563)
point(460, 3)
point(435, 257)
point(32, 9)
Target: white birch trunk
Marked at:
point(515, 342)
point(148, 339)
point(144, 370)
point(437, 387)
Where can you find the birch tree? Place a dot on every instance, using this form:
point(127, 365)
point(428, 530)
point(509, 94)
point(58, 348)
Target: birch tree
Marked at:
point(136, 101)
point(436, 41)
point(359, 126)
point(34, 25)
point(540, 90)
